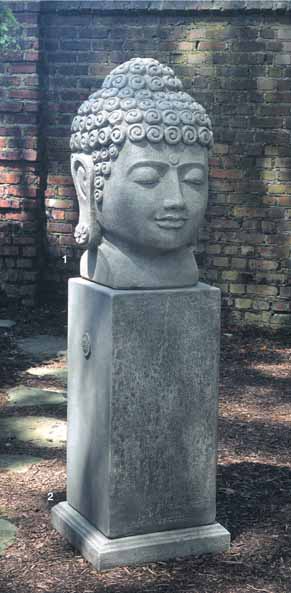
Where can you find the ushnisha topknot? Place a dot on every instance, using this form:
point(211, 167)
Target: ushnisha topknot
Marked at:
point(139, 100)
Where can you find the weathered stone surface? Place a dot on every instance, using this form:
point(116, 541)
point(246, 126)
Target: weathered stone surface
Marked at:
point(17, 463)
point(43, 432)
point(143, 364)
point(43, 345)
point(7, 534)
point(32, 396)
point(106, 553)
point(142, 407)
point(192, 7)
point(141, 176)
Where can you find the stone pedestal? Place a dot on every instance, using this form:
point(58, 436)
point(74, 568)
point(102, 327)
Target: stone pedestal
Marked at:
point(142, 416)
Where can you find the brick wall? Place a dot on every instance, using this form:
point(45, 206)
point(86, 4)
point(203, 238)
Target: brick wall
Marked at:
point(235, 58)
point(20, 180)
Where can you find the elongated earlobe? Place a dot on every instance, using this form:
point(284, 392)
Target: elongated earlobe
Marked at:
point(88, 231)
point(82, 234)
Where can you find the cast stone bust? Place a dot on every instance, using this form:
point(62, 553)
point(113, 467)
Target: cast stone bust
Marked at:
point(140, 167)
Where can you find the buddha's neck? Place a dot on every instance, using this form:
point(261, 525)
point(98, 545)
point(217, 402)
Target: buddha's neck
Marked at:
point(124, 268)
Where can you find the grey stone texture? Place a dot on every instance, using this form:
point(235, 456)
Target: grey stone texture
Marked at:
point(106, 553)
point(34, 396)
point(140, 168)
point(43, 346)
point(18, 463)
point(143, 364)
point(184, 7)
point(7, 534)
point(41, 431)
point(142, 407)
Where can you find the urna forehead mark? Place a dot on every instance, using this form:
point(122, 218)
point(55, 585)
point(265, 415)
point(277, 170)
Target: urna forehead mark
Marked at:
point(174, 159)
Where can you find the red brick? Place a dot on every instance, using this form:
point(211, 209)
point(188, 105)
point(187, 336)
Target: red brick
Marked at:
point(31, 107)
point(10, 106)
point(30, 191)
point(284, 200)
point(51, 203)
point(67, 191)
point(19, 216)
point(281, 306)
point(71, 215)
point(58, 214)
point(31, 81)
point(23, 240)
point(10, 131)
point(13, 190)
point(60, 180)
point(197, 34)
point(50, 192)
point(213, 45)
point(7, 203)
point(13, 55)
point(9, 177)
point(24, 94)
point(30, 155)
point(55, 227)
point(31, 56)
point(10, 155)
point(67, 240)
point(3, 142)
point(23, 68)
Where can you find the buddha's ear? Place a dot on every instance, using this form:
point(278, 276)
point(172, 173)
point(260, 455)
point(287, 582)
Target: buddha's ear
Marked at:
point(82, 168)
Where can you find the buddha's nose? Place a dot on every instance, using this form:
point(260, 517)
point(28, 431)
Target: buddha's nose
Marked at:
point(174, 196)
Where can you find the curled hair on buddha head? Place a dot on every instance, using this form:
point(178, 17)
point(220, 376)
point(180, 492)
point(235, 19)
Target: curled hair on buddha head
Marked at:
point(140, 99)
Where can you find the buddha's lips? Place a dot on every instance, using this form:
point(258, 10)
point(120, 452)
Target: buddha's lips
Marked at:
point(171, 217)
point(171, 221)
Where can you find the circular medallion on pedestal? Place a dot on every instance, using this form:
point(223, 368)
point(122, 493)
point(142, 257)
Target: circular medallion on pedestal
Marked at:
point(86, 345)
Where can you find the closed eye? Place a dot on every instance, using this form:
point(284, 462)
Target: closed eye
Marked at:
point(147, 182)
point(192, 175)
point(146, 176)
point(194, 178)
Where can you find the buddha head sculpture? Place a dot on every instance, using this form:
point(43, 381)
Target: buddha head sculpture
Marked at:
point(140, 167)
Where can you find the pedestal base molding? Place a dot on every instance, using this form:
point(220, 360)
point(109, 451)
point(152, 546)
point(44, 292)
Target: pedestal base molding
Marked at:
point(105, 553)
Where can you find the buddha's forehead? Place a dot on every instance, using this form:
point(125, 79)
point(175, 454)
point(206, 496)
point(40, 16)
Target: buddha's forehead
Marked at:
point(175, 155)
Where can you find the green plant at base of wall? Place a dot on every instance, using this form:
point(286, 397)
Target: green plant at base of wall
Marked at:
point(9, 27)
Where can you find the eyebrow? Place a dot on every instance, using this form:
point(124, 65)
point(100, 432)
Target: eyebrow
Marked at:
point(192, 165)
point(149, 163)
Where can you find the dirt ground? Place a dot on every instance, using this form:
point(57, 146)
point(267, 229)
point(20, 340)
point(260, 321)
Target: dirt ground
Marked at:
point(253, 495)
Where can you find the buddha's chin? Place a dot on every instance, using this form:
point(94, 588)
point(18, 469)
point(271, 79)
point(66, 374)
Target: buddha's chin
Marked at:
point(171, 238)
point(153, 239)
